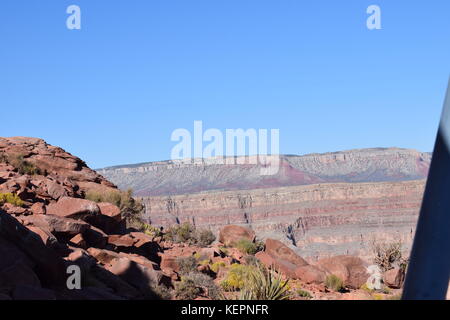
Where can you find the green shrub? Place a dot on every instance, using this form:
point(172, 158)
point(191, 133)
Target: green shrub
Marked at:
point(246, 246)
point(130, 208)
point(206, 284)
point(215, 267)
point(187, 233)
point(236, 277)
point(264, 284)
point(151, 231)
point(304, 294)
point(204, 237)
point(20, 164)
point(334, 283)
point(11, 198)
point(252, 261)
point(186, 289)
point(187, 264)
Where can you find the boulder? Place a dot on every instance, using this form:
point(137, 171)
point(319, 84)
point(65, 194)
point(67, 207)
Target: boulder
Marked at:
point(394, 278)
point(73, 208)
point(352, 270)
point(38, 208)
point(103, 256)
point(310, 274)
point(138, 276)
point(279, 251)
point(231, 234)
point(122, 240)
point(55, 224)
point(78, 241)
point(110, 210)
point(49, 267)
point(47, 237)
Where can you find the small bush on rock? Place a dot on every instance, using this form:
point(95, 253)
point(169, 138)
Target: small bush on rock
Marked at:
point(236, 277)
point(20, 164)
point(130, 208)
point(304, 294)
point(187, 264)
point(249, 247)
point(387, 255)
point(186, 289)
point(187, 233)
point(11, 198)
point(334, 283)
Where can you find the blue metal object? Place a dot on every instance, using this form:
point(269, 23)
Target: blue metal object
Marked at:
point(428, 273)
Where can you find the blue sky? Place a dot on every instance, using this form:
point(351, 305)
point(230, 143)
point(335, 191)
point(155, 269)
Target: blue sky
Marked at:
point(113, 92)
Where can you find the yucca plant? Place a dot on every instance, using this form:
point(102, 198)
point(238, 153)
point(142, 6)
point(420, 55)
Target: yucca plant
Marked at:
point(264, 284)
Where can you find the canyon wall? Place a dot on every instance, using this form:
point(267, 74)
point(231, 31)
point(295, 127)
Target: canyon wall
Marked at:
point(316, 220)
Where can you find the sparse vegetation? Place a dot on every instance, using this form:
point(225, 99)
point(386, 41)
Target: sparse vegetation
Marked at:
point(186, 289)
point(215, 267)
point(187, 233)
point(187, 264)
point(130, 208)
point(11, 198)
point(387, 254)
point(264, 284)
point(304, 294)
point(151, 231)
point(246, 246)
point(334, 283)
point(20, 164)
point(236, 277)
point(193, 284)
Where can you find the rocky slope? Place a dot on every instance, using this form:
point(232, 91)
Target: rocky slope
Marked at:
point(365, 165)
point(47, 228)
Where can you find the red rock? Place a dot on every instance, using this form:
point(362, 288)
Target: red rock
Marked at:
point(110, 210)
point(55, 190)
point(394, 278)
point(352, 270)
point(310, 274)
point(82, 259)
point(231, 234)
point(102, 255)
point(73, 208)
point(38, 208)
point(135, 274)
point(114, 282)
point(47, 237)
point(279, 251)
point(49, 267)
point(121, 240)
point(57, 224)
point(14, 210)
point(78, 241)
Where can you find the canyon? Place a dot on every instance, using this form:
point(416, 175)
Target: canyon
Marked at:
point(320, 204)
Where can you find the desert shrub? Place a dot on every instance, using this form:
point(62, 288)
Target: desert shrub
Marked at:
point(334, 283)
point(187, 264)
point(224, 250)
point(251, 261)
point(187, 233)
point(304, 294)
point(386, 255)
point(150, 230)
point(130, 208)
point(246, 246)
point(215, 267)
point(264, 284)
point(204, 237)
point(206, 284)
point(20, 164)
point(236, 277)
point(186, 289)
point(11, 198)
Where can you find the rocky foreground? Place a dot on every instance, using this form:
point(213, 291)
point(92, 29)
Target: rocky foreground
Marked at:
point(48, 225)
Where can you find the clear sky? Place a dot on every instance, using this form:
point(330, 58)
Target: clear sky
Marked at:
point(113, 92)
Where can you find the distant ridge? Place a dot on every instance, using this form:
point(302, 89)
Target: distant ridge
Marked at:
point(358, 165)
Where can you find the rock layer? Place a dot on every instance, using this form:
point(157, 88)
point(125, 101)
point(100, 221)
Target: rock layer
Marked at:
point(318, 220)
